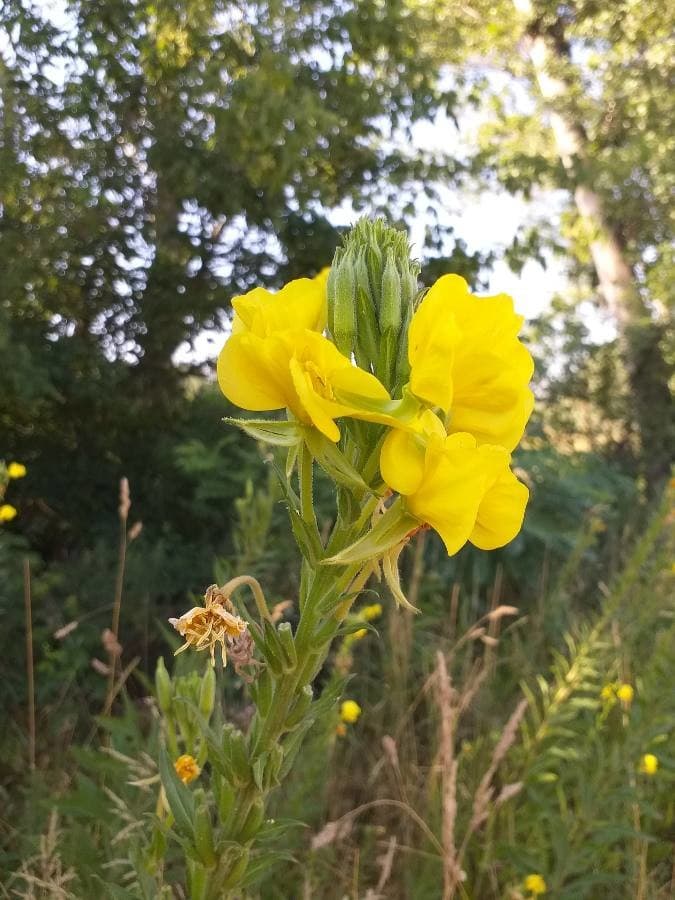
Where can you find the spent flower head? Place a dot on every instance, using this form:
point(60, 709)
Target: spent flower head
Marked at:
point(214, 623)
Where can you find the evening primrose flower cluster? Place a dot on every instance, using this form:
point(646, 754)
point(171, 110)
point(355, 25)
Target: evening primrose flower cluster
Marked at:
point(442, 373)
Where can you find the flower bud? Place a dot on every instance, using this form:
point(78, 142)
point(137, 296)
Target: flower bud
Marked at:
point(163, 687)
point(371, 292)
point(342, 312)
point(207, 692)
point(392, 293)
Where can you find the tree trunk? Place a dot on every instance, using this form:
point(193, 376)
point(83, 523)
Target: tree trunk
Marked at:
point(639, 335)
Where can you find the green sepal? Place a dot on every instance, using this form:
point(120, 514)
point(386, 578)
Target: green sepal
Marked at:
point(180, 799)
point(276, 657)
point(278, 432)
point(253, 822)
point(402, 411)
point(300, 708)
point(290, 654)
point(224, 795)
point(204, 836)
point(333, 461)
point(258, 769)
point(235, 751)
point(393, 528)
point(262, 691)
point(353, 627)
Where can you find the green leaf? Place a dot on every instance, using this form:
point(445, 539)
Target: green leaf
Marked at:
point(179, 798)
point(394, 527)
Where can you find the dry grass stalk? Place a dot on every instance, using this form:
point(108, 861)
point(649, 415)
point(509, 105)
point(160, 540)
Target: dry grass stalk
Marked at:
point(123, 512)
point(43, 876)
point(485, 791)
point(391, 753)
point(30, 667)
point(448, 711)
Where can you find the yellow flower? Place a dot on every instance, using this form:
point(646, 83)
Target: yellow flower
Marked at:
point(358, 635)
point(463, 491)
point(350, 711)
point(649, 764)
point(535, 884)
point(299, 304)
point(372, 612)
point(608, 693)
point(186, 768)
point(16, 470)
point(7, 512)
point(625, 694)
point(205, 626)
point(300, 370)
point(466, 358)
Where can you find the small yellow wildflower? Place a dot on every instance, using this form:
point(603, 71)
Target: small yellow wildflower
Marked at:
point(214, 623)
point(625, 693)
point(7, 512)
point(535, 884)
point(186, 768)
point(608, 693)
point(16, 470)
point(649, 764)
point(372, 612)
point(358, 635)
point(350, 711)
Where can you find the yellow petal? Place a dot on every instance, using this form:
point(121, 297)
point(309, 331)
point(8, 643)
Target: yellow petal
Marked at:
point(491, 371)
point(402, 461)
point(501, 512)
point(433, 337)
point(492, 422)
point(299, 304)
point(452, 488)
point(319, 410)
point(253, 373)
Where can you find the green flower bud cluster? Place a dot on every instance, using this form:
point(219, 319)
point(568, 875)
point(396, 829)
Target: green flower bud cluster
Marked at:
point(182, 700)
point(372, 288)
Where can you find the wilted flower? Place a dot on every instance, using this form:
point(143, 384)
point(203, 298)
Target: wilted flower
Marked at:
point(186, 768)
point(16, 470)
point(649, 764)
point(350, 711)
point(7, 512)
point(535, 884)
point(214, 623)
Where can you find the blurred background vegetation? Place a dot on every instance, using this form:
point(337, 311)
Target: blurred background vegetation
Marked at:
point(157, 159)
